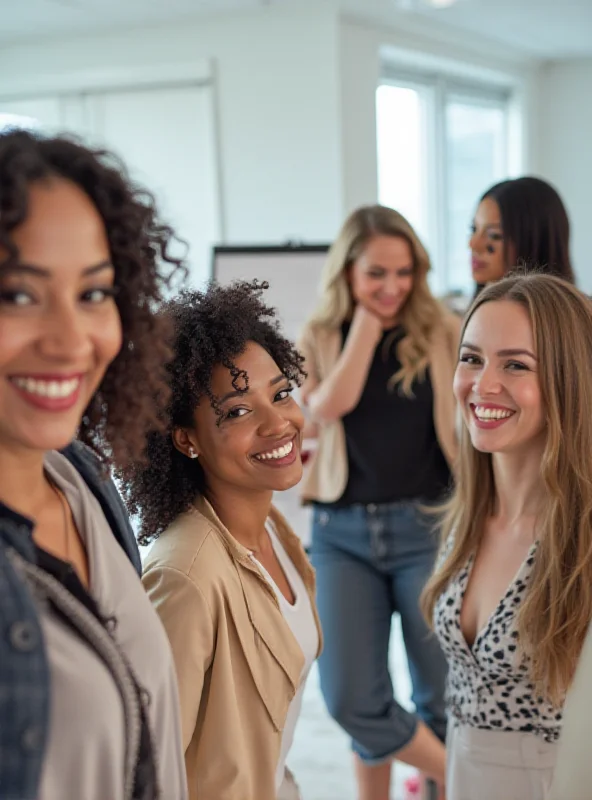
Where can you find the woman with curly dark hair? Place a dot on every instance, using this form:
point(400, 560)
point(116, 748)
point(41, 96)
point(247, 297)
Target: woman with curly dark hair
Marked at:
point(88, 698)
point(228, 577)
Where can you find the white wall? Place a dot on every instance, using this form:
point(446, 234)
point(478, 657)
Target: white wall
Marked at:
point(278, 108)
point(565, 158)
point(295, 100)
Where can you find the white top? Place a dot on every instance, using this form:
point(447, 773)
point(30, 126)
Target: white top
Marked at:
point(87, 761)
point(573, 773)
point(300, 618)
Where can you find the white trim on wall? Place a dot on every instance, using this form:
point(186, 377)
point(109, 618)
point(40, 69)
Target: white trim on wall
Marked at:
point(199, 71)
point(465, 71)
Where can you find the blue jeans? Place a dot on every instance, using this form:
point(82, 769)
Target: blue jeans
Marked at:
point(372, 561)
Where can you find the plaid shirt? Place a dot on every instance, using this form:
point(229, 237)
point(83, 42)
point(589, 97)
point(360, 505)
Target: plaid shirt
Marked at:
point(24, 668)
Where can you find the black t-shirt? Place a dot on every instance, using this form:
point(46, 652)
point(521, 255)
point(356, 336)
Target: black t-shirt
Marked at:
point(392, 450)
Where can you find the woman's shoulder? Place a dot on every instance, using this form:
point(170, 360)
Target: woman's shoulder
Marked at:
point(84, 460)
point(314, 332)
point(449, 320)
point(281, 526)
point(448, 325)
point(189, 546)
point(86, 465)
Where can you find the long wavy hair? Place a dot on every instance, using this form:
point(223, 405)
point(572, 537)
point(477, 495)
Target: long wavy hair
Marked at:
point(421, 313)
point(557, 608)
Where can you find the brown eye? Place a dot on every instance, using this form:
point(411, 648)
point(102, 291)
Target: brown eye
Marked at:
point(237, 412)
point(15, 298)
point(283, 394)
point(98, 295)
point(470, 359)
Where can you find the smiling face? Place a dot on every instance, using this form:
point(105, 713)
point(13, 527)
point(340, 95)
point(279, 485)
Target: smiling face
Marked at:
point(496, 382)
point(59, 324)
point(256, 445)
point(488, 258)
point(381, 278)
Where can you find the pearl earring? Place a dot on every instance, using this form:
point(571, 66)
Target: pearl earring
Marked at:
point(192, 453)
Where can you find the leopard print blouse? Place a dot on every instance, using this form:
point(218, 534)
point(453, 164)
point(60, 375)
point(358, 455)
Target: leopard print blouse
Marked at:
point(488, 685)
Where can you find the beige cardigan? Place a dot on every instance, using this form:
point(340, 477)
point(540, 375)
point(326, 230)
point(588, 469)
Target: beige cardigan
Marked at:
point(326, 476)
point(238, 664)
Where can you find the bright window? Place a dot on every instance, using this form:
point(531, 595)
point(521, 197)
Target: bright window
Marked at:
point(8, 121)
point(440, 146)
point(402, 174)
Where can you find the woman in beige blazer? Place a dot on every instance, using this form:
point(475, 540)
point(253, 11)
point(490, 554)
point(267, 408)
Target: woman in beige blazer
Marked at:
point(380, 356)
point(227, 576)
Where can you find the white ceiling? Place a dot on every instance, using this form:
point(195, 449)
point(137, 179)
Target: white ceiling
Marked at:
point(547, 29)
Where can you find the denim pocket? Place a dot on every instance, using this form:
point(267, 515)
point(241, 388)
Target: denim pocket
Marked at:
point(321, 517)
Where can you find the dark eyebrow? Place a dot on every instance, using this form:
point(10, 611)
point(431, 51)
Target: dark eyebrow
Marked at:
point(40, 272)
point(503, 353)
point(230, 395)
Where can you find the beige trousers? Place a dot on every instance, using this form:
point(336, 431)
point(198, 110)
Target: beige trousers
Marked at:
point(497, 765)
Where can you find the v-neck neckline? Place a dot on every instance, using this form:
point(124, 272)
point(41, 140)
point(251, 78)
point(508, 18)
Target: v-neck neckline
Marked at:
point(481, 633)
point(280, 554)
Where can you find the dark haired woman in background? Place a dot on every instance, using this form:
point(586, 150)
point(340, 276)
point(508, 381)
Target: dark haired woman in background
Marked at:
point(228, 577)
point(88, 699)
point(520, 222)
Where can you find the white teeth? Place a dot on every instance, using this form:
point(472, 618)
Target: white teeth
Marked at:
point(53, 389)
point(280, 452)
point(492, 413)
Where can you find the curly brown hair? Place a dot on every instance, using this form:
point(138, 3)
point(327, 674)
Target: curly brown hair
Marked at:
point(211, 328)
point(134, 387)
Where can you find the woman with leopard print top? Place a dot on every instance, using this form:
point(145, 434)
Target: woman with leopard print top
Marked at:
point(511, 598)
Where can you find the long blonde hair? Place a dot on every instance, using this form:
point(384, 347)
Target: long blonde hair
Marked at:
point(421, 312)
point(557, 608)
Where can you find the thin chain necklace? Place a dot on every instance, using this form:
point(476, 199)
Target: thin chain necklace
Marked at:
point(65, 514)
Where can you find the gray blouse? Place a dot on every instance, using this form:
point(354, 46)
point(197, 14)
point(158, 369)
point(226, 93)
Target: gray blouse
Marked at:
point(94, 724)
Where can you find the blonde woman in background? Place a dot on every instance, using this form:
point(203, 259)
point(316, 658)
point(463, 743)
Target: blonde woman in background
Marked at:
point(380, 355)
point(512, 597)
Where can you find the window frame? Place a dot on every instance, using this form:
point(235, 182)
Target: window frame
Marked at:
point(444, 88)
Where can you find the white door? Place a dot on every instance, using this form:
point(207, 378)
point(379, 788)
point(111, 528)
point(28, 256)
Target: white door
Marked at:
point(166, 136)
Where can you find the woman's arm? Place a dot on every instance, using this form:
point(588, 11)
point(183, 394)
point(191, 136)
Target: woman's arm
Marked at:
point(188, 622)
point(340, 391)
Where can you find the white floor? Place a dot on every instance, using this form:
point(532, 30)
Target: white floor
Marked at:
point(320, 757)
